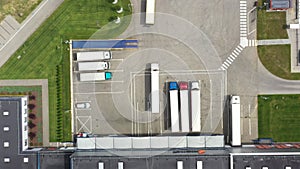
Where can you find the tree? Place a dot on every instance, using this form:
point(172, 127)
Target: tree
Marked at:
point(116, 8)
point(112, 18)
point(31, 135)
point(31, 106)
point(32, 116)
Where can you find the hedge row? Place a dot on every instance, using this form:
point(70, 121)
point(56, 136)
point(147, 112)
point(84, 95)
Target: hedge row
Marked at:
point(59, 109)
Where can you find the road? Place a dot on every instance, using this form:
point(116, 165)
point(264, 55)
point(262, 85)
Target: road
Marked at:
point(28, 27)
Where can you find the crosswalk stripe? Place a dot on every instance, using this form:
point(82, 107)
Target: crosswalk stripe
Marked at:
point(243, 29)
point(240, 47)
point(243, 16)
point(244, 26)
point(230, 59)
point(243, 7)
point(226, 64)
point(223, 68)
point(243, 20)
point(243, 2)
point(243, 13)
point(234, 54)
point(237, 49)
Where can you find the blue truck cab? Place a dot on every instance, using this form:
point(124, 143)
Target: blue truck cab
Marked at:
point(108, 75)
point(173, 86)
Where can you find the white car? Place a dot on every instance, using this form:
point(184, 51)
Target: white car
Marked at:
point(84, 105)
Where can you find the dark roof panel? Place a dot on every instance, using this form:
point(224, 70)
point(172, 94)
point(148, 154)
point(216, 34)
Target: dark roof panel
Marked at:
point(280, 4)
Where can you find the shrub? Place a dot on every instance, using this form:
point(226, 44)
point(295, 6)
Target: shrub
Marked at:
point(30, 124)
point(31, 106)
point(31, 135)
point(116, 8)
point(32, 116)
point(31, 97)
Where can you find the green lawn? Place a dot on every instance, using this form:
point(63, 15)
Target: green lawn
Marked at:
point(277, 59)
point(271, 25)
point(278, 117)
point(45, 50)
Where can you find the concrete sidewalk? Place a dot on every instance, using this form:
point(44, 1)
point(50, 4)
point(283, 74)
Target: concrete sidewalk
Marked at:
point(45, 104)
point(274, 42)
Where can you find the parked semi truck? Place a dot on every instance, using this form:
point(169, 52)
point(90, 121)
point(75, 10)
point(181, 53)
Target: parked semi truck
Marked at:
point(86, 66)
point(155, 88)
point(195, 106)
point(173, 92)
point(95, 76)
point(94, 55)
point(184, 106)
point(235, 108)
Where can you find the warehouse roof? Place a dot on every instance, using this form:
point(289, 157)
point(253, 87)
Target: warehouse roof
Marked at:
point(10, 147)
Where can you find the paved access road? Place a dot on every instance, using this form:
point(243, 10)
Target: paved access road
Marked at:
point(28, 27)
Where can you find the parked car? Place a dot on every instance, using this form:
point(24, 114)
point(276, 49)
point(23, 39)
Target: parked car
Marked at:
point(84, 105)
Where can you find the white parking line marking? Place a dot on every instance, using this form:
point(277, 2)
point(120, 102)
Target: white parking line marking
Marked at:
point(116, 70)
point(250, 132)
point(99, 82)
point(88, 93)
point(116, 60)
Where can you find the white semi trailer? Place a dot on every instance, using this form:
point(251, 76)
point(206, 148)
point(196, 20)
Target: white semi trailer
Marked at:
point(150, 12)
point(88, 66)
point(235, 121)
point(155, 88)
point(173, 92)
point(184, 106)
point(195, 106)
point(93, 55)
point(95, 76)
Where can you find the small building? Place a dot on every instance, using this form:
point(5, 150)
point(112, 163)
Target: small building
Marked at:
point(280, 4)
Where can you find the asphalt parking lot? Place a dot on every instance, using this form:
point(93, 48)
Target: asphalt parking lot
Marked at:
point(120, 105)
point(179, 43)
